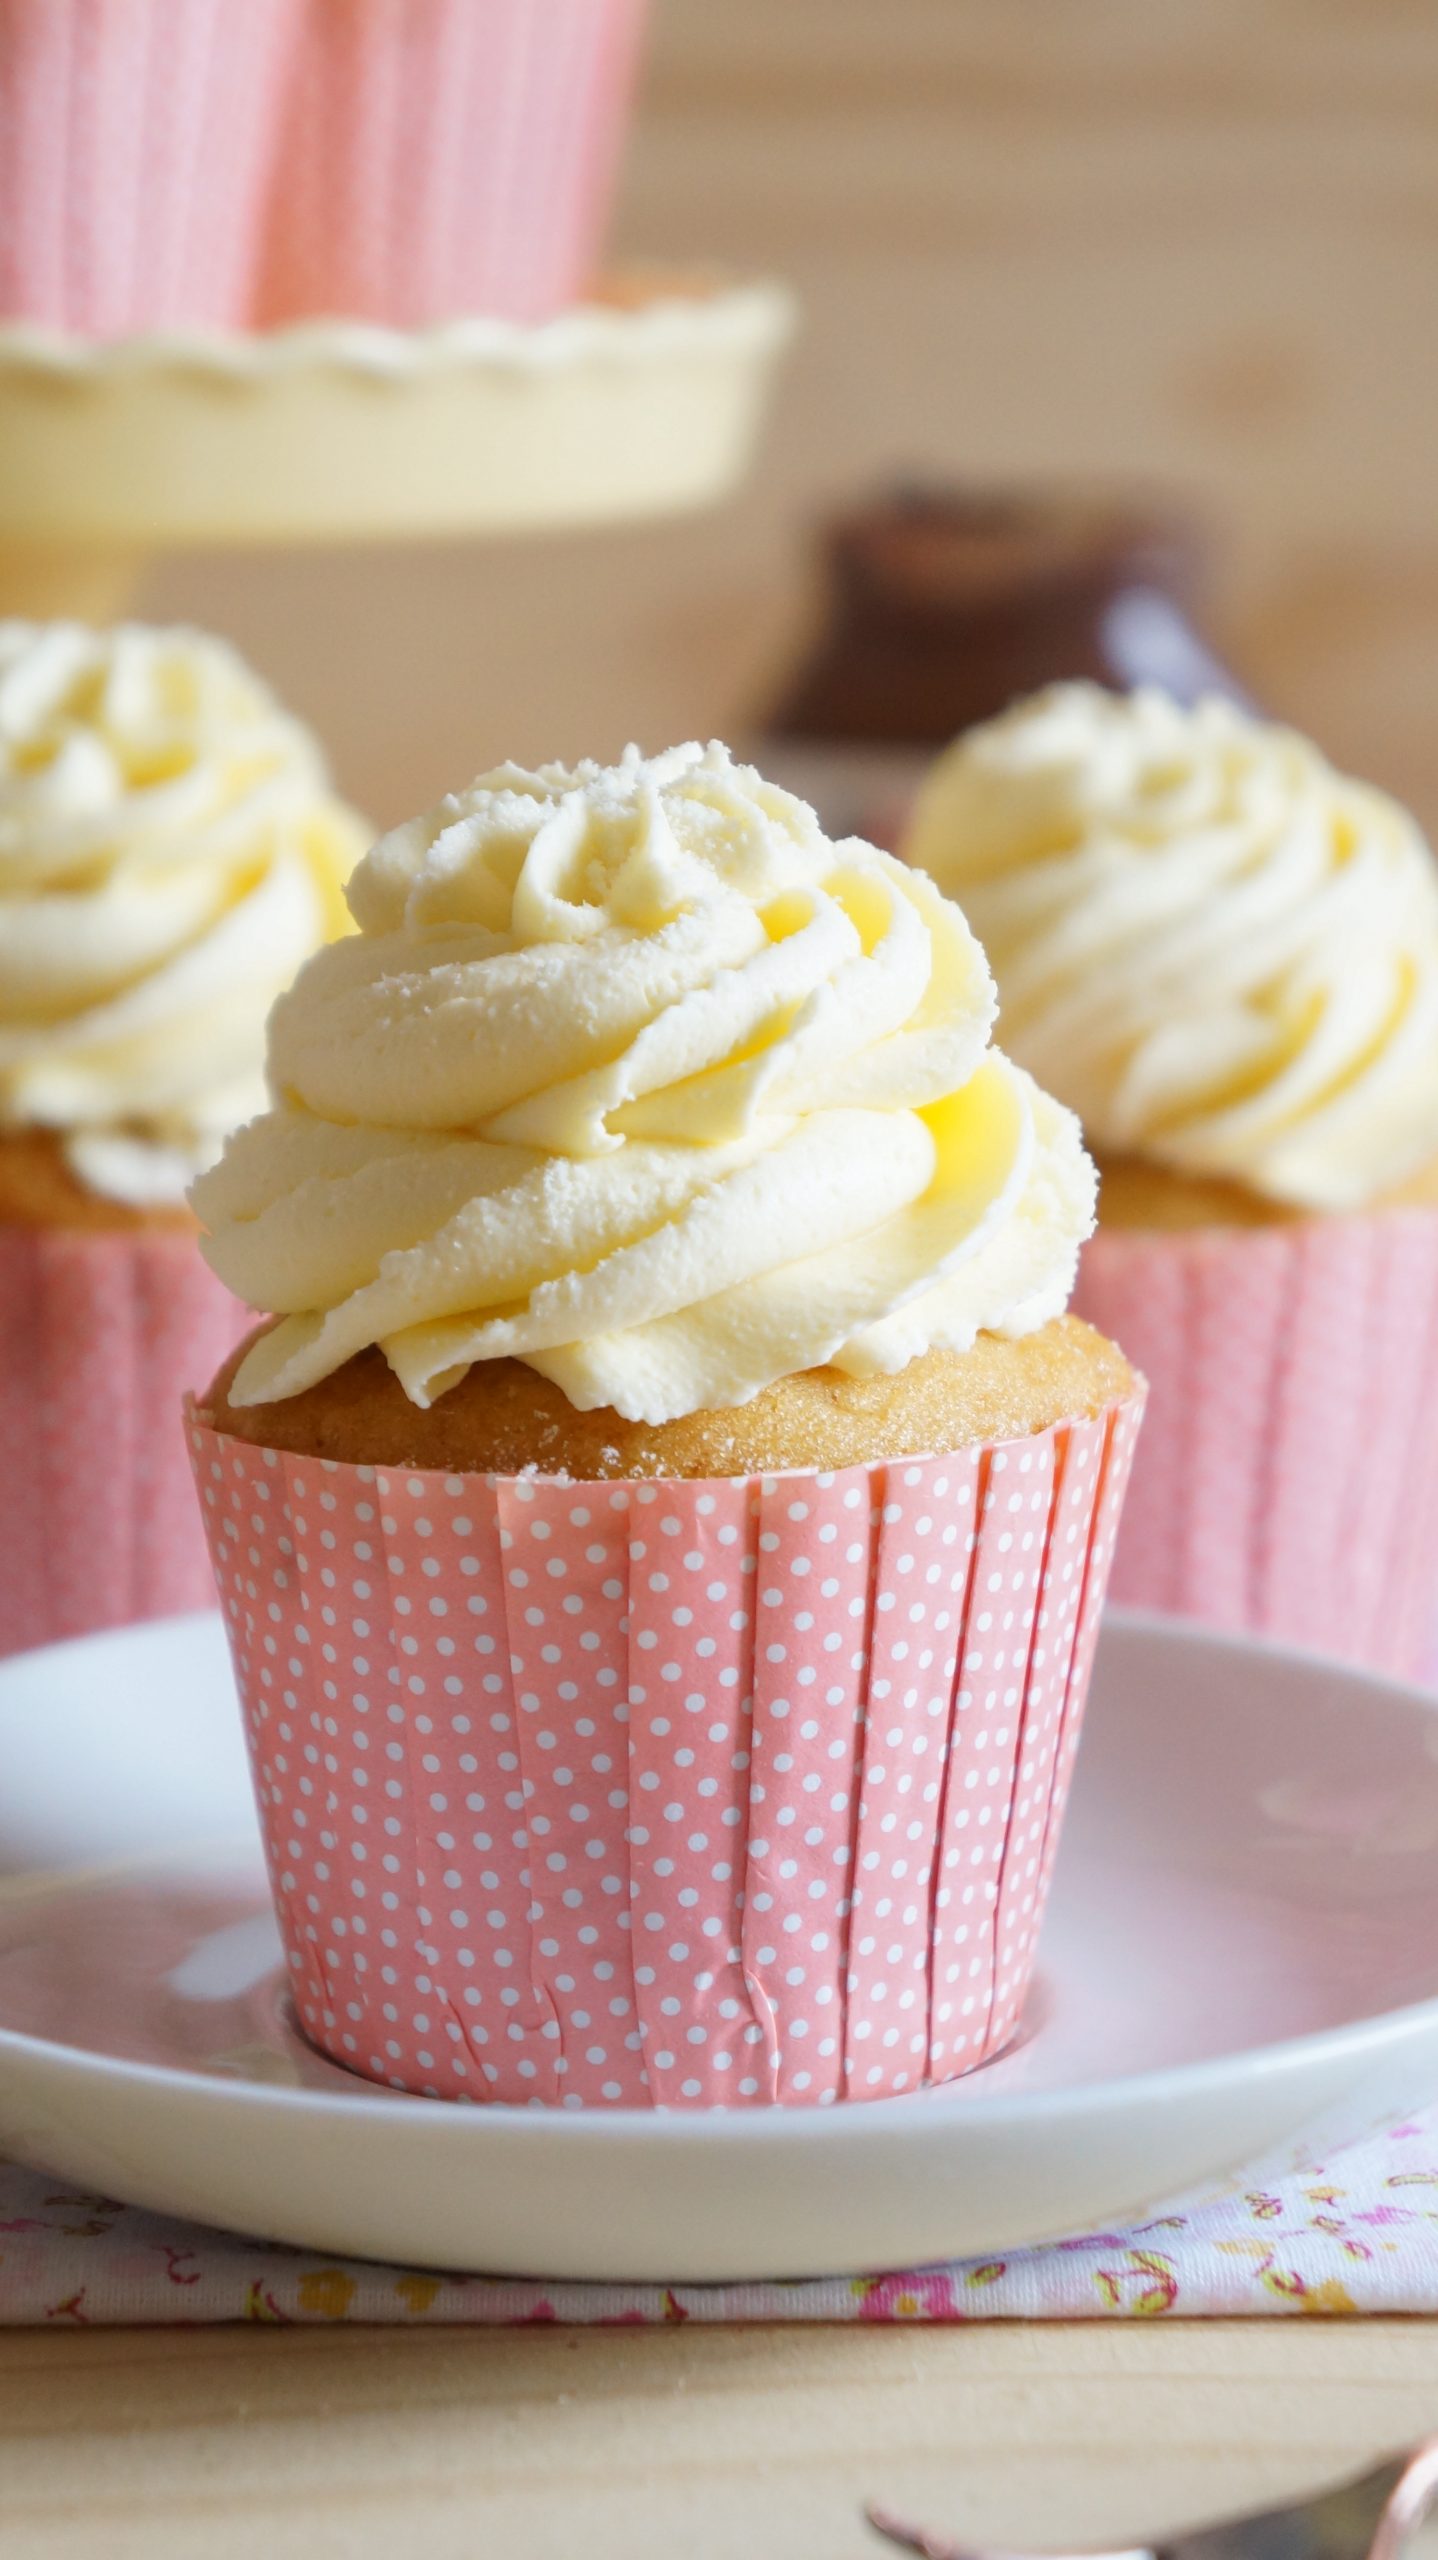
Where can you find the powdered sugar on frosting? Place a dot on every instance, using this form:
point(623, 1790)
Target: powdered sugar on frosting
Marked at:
point(632, 1074)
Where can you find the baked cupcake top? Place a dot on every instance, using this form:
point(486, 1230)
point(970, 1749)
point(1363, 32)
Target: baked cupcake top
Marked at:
point(1221, 953)
point(170, 852)
point(631, 1074)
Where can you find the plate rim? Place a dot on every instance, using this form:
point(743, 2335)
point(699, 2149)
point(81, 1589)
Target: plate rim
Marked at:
point(1118, 1619)
point(678, 2125)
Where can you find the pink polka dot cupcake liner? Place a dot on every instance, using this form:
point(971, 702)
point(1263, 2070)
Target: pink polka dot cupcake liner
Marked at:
point(444, 157)
point(100, 1337)
point(1287, 1481)
point(664, 1794)
point(137, 147)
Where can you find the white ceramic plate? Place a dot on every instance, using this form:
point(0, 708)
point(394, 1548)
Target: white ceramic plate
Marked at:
point(1242, 1948)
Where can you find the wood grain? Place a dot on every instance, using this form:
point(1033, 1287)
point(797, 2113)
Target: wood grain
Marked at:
point(579, 2445)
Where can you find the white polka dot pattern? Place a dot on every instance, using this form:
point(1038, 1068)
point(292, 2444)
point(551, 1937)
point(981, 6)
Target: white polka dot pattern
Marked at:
point(1287, 1483)
point(664, 1794)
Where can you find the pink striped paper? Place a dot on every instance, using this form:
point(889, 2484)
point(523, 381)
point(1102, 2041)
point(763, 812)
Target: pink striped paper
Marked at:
point(137, 140)
point(664, 1794)
point(100, 1336)
point(1288, 1479)
point(449, 156)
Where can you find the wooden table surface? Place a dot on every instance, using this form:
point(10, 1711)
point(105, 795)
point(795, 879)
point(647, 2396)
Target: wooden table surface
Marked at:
point(734, 2444)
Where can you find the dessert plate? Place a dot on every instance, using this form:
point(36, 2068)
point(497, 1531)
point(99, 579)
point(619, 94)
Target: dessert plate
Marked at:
point(1242, 1950)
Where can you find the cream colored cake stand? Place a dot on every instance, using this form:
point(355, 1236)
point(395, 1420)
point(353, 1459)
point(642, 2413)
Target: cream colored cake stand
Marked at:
point(643, 403)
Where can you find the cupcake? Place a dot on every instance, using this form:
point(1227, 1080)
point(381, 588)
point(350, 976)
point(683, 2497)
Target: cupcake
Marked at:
point(170, 851)
point(1224, 956)
point(449, 156)
point(137, 143)
point(662, 1526)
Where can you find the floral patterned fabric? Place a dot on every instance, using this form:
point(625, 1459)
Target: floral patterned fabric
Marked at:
point(1355, 2233)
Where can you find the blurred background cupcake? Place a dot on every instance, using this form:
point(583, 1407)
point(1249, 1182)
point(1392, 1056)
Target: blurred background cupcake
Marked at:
point(672, 1419)
point(170, 852)
point(1223, 955)
point(443, 157)
point(222, 164)
point(137, 149)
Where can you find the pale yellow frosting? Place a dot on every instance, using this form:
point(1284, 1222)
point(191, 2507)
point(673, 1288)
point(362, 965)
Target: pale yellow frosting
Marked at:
point(633, 1075)
point(1222, 953)
point(170, 853)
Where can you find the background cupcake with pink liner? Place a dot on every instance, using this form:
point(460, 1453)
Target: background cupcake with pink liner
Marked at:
point(138, 141)
point(170, 852)
point(662, 1529)
point(227, 164)
point(1223, 955)
point(444, 157)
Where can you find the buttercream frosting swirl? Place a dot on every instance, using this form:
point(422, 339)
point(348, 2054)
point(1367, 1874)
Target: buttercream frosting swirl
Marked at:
point(170, 852)
point(1221, 952)
point(633, 1075)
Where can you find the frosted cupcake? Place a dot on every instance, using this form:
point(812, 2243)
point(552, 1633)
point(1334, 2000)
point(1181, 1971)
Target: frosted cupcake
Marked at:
point(170, 852)
point(663, 1528)
point(1224, 956)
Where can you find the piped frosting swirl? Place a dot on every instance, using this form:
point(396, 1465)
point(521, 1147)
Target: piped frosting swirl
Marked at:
point(170, 853)
point(631, 1074)
point(1219, 951)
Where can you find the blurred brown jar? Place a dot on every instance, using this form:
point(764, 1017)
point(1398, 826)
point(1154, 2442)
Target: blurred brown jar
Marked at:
point(940, 606)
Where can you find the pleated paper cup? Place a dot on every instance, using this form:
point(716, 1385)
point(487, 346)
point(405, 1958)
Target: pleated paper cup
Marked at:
point(680, 1794)
point(101, 1334)
point(1287, 1484)
point(446, 157)
point(137, 146)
